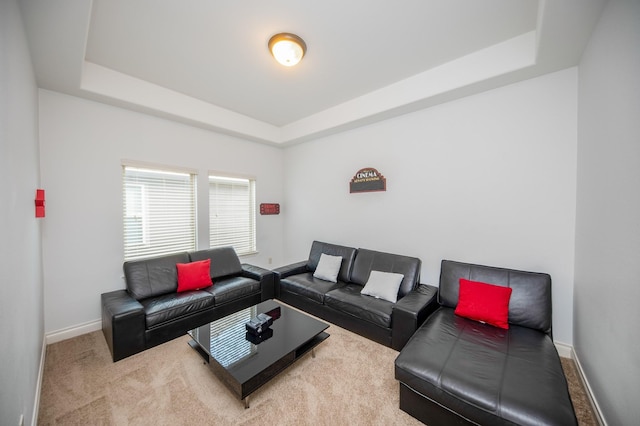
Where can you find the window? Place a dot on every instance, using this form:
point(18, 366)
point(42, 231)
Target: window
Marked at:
point(158, 211)
point(232, 213)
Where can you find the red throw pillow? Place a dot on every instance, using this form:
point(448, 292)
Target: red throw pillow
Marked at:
point(194, 275)
point(484, 302)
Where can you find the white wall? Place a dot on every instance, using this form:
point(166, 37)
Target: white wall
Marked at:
point(21, 300)
point(82, 147)
point(487, 179)
point(607, 287)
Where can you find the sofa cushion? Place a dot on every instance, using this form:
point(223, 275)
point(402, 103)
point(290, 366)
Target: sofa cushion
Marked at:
point(530, 302)
point(328, 268)
point(153, 277)
point(162, 309)
point(224, 261)
point(305, 285)
point(348, 254)
point(484, 302)
point(193, 275)
point(486, 374)
point(348, 300)
point(229, 289)
point(369, 260)
point(383, 285)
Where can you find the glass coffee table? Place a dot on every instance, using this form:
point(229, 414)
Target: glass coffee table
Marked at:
point(244, 361)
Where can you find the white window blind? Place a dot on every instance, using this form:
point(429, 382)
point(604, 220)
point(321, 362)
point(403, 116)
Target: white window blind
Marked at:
point(232, 214)
point(158, 211)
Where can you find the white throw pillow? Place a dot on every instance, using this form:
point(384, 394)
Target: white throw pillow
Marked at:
point(383, 285)
point(328, 268)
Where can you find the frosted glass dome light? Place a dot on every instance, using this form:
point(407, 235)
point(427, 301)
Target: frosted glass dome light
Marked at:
point(288, 49)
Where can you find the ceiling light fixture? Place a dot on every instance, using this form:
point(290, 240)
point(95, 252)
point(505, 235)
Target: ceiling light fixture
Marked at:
point(288, 49)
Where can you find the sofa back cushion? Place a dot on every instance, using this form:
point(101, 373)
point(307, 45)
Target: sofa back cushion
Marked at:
point(224, 261)
point(153, 277)
point(347, 254)
point(369, 260)
point(530, 302)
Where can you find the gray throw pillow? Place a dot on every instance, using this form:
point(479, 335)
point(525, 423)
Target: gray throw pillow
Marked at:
point(328, 268)
point(383, 285)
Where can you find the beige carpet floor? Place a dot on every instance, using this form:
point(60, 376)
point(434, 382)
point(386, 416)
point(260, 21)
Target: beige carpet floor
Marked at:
point(350, 381)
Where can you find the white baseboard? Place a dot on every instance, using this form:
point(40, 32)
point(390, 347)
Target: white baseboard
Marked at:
point(594, 403)
point(567, 351)
point(564, 350)
point(74, 331)
point(36, 402)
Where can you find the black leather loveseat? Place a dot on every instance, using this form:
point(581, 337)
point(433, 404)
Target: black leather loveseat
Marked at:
point(150, 311)
point(456, 370)
point(390, 323)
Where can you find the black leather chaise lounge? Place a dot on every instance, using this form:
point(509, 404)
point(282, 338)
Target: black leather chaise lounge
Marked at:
point(458, 371)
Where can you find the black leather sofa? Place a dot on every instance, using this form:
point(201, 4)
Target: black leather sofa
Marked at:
point(459, 371)
point(150, 311)
point(341, 303)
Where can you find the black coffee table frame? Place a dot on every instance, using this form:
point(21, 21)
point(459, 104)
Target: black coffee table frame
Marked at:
point(244, 366)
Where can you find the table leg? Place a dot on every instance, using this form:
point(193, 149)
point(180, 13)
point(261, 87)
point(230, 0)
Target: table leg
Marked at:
point(246, 402)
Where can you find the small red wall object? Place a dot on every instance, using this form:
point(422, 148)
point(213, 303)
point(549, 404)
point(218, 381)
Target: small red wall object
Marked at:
point(269, 208)
point(39, 202)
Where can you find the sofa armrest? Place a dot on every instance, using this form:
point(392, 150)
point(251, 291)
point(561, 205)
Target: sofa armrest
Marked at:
point(123, 324)
point(287, 271)
point(293, 269)
point(265, 276)
point(410, 312)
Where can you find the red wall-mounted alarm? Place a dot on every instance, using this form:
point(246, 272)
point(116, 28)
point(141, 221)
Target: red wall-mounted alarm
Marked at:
point(39, 202)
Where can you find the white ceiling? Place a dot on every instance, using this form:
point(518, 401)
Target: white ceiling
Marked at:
point(206, 63)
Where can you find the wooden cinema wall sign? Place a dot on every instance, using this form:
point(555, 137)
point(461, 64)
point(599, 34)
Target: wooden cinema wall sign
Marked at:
point(367, 180)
